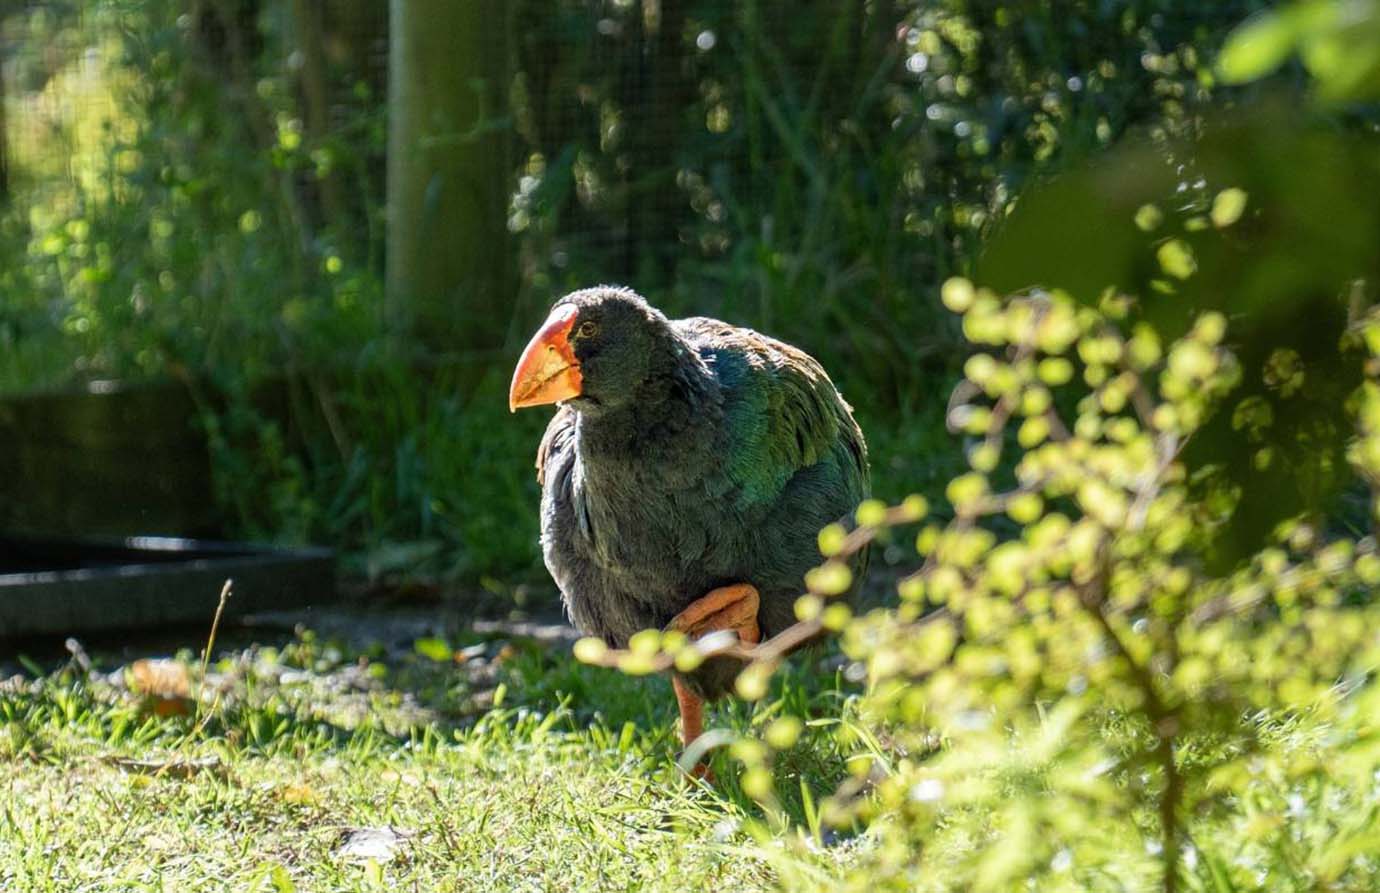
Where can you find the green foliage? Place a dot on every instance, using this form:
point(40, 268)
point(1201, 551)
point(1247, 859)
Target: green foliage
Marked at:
point(1337, 40)
point(506, 764)
point(1139, 650)
point(1075, 693)
point(822, 170)
point(1081, 688)
point(194, 243)
point(815, 172)
point(1272, 227)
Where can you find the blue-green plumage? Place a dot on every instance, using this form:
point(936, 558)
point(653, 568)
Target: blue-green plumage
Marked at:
point(699, 455)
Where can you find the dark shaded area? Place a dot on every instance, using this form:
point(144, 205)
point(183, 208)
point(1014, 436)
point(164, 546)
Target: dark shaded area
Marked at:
point(71, 586)
point(116, 461)
point(1289, 276)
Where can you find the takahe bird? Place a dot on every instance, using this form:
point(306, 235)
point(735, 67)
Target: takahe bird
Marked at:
point(685, 476)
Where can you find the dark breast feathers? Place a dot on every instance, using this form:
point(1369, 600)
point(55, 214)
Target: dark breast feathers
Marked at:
point(730, 481)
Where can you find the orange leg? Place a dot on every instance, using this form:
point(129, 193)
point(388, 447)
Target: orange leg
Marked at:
point(691, 711)
point(728, 607)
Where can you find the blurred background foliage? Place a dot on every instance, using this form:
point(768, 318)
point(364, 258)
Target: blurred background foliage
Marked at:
point(197, 192)
point(1138, 651)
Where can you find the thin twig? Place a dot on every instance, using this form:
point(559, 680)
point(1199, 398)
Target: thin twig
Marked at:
point(206, 656)
point(1161, 717)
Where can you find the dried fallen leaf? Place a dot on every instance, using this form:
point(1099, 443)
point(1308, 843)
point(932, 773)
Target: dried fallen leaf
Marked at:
point(165, 684)
point(471, 652)
point(169, 706)
point(299, 793)
point(160, 678)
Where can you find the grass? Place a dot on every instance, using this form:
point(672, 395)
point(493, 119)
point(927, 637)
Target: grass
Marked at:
point(507, 768)
point(496, 762)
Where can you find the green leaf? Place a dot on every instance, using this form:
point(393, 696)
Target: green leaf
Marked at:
point(1258, 47)
point(1228, 207)
point(590, 650)
point(282, 881)
point(1149, 217)
point(1176, 259)
point(1344, 55)
point(436, 649)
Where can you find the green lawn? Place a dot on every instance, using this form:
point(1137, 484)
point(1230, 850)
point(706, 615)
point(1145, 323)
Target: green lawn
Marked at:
point(506, 767)
point(495, 762)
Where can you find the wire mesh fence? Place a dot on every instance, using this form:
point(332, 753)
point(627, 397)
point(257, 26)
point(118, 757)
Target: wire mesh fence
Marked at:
point(207, 192)
point(795, 165)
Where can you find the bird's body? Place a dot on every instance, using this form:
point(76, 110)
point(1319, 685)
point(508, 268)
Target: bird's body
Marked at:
point(730, 453)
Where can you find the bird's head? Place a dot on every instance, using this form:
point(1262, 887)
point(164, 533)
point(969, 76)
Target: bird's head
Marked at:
point(596, 348)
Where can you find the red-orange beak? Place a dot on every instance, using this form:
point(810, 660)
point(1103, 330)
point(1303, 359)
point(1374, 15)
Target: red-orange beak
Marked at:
point(548, 371)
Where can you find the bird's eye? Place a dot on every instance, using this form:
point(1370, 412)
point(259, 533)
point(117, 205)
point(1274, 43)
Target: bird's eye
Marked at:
point(587, 329)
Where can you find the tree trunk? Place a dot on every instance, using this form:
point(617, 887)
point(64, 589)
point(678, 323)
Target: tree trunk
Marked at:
point(316, 100)
point(449, 285)
point(4, 143)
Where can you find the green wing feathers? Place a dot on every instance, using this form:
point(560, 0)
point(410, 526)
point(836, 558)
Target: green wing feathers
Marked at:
point(783, 413)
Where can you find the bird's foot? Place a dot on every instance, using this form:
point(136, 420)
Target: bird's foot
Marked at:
point(728, 607)
point(703, 773)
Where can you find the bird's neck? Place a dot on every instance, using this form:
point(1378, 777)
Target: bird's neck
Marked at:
point(679, 395)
